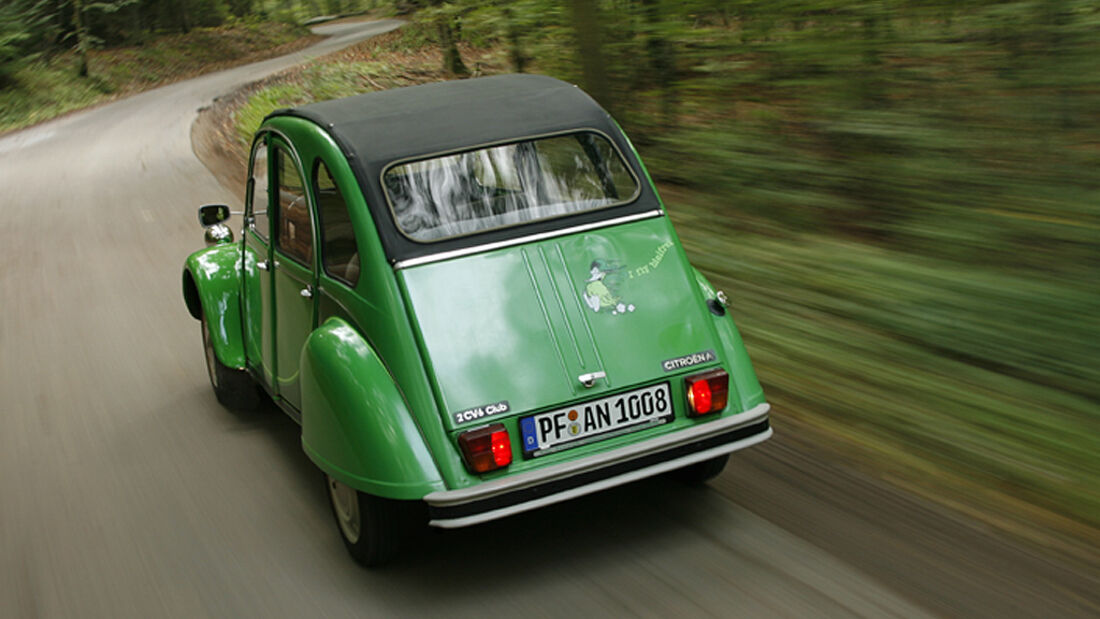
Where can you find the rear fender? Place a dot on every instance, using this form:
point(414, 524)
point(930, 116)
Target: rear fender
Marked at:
point(212, 286)
point(356, 426)
point(741, 372)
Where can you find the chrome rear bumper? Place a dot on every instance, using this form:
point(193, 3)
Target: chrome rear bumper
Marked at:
point(450, 509)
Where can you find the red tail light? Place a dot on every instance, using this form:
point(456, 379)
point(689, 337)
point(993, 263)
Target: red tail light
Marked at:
point(707, 392)
point(486, 449)
point(699, 396)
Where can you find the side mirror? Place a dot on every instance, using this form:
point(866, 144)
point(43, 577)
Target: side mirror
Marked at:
point(213, 214)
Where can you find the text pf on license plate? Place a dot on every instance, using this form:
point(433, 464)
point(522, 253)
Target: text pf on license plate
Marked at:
point(595, 420)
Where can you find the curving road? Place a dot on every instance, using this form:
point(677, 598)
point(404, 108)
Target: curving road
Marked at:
point(127, 491)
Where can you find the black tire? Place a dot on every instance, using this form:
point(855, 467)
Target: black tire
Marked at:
point(235, 389)
point(372, 528)
point(701, 472)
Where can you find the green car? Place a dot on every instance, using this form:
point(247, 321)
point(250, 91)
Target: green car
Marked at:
point(470, 297)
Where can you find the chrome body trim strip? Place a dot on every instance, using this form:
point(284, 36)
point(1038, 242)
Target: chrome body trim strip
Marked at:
point(496, 487)
point(542, 236)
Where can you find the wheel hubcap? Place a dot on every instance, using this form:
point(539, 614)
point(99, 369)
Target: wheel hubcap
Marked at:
point(345, 502)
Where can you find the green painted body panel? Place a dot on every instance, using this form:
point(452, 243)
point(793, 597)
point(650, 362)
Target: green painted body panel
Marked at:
point(521, 324)
point(294, 314)
point(740, 367)
point(256, 308)
point(355, 425)
point(374, 307)
point(389, 335)
point(216, 274)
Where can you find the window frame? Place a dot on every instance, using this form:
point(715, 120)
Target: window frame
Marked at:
point(283, 146)
point(262, 140)
point(528, 138)
point(318, 162)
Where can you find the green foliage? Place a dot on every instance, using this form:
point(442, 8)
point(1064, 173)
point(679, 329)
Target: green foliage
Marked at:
point(316, 82)
point(966, 380)
point(46, 87)
point(902, 200)
point(32, 27)
point(239, 8)
point(439, 23)
point(23, 23)
point(13, 34)
point(53, 26)
point(249, 117)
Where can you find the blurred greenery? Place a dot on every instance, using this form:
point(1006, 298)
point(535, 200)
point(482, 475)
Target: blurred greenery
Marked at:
point(57, 56)
point(901, 199)
point(946, 373)
point(49, 87)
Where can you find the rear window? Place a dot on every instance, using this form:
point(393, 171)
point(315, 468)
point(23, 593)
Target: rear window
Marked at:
point(507, 185)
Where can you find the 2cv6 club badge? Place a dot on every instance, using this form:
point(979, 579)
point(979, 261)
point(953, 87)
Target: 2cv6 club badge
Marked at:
point(471, 298)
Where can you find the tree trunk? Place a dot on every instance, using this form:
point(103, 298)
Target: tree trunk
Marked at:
point(515, 50)
point(182, 20)
point(662, 60)
point(81, 37)
point(587, 29)
point(452, 60)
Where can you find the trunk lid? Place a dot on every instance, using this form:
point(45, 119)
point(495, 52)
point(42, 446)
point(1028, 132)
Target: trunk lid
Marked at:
point(513, 330)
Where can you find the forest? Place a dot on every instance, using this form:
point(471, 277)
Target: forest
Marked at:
point(901, 197)
point(973, 100)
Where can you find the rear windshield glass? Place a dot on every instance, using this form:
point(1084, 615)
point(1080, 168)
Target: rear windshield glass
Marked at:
point(508, 185)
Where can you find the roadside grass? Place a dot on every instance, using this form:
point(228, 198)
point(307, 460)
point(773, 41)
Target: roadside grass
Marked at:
point(968, 384)
point(387, 61)
point(45, 88)
point(972, 381)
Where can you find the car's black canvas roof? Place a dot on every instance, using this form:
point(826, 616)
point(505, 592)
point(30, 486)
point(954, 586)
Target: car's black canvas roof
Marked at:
point(377, 128)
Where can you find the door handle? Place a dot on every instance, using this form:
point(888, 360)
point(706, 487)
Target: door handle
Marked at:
point(262, 265)
point(307, 292)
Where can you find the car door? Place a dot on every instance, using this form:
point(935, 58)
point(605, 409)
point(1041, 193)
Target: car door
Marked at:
point(294, 271)
point(257, 286)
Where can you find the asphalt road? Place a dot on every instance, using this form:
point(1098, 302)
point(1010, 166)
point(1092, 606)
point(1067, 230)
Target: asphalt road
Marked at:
point(127, 491)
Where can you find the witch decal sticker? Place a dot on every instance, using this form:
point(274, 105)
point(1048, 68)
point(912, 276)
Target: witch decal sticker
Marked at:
point(601, 291)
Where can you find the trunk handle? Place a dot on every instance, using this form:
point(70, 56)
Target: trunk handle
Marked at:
point(588, 380)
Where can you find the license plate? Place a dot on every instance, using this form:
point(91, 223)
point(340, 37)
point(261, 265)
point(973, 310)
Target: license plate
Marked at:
point(595, 420)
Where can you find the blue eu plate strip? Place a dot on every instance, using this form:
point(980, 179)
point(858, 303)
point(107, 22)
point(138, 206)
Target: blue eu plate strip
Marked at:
point(530, 440)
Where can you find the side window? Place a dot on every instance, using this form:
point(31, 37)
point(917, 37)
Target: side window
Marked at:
point(339, 251)
point(295, 236)
point(258, 205)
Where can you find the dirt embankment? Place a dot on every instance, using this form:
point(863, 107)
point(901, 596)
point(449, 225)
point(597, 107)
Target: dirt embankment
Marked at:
point(214, 136)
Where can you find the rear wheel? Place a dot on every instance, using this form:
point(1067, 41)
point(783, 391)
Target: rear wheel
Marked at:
point(234, 388)
point(702, 472)
point(372, 527)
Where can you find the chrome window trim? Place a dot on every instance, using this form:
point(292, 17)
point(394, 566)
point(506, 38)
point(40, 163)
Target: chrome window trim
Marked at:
point(531, 238)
